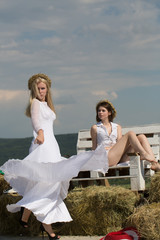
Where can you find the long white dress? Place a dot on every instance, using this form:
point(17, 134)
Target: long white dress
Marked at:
point(42, 178)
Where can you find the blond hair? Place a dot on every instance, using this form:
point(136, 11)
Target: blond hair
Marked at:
point(34, 93)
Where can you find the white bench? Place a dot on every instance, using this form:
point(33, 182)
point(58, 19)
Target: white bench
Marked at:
point(137, 169)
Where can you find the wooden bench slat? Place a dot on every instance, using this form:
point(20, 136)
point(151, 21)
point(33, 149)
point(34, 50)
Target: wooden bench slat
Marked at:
point(151, 128)
point(95, 178)
point(85, 144)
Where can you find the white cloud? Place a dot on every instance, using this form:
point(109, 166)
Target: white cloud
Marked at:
point(104, 94)
point(141, 43)
point(90, 48)
point(52, 41)
point(11, 95)
point(91, 1)
point(100, 27)
point(9, 45)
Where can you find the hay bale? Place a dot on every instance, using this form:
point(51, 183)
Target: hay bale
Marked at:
point(9, 222)
point(154, 191)
point(3, 184)
point(146, 219)
point(97, 210)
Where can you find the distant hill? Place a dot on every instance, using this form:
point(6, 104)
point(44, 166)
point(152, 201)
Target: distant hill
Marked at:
point(17, 148)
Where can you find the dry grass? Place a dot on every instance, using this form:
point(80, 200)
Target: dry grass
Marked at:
point(9, 222)
point(154, 191)
point(95, 210)
point(98, 210)
point(3, 184)
point(146, 219)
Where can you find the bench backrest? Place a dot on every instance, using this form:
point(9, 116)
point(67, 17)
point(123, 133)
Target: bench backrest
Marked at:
point(152, 132)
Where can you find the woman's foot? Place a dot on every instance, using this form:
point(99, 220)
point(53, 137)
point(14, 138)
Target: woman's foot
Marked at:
point(48, 229)
point(148, 158)
point(155, 167)
point(23, 224)
point(25, 213)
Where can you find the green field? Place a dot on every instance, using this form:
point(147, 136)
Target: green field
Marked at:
point(17, 148)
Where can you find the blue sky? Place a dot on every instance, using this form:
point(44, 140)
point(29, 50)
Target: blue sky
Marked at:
point(91, 49)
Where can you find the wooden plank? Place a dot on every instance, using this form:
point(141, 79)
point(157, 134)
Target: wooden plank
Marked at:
point(151, 128)
point(119, 167)
point(95, 178)
point(137, 168)
point(84, 144)
point(84, 134)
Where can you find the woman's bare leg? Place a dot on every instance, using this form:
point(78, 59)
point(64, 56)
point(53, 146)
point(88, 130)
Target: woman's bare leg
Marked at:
point(48, 229)
point(155, 166)
point(145, 144)
point(120, 148)
point(125, 157)
point(26, 214)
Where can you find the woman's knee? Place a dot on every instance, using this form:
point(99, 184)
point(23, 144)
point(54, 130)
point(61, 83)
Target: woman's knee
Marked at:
point(131, 133)
point(113, 159)
point(141, 137)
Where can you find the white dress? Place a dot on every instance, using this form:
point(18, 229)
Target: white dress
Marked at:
point(42, 178)
point(103, 137)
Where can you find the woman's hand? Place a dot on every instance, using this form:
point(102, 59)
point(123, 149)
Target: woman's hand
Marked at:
point(40, 137)
point(108, 148)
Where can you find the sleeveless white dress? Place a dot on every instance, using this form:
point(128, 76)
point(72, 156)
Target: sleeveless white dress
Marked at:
point(103, 137)
point(42, 178)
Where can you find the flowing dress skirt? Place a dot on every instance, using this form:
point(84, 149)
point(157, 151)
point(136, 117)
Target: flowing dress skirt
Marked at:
point(42, 178)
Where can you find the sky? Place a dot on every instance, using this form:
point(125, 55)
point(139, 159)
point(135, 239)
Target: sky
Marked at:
point(91, 49)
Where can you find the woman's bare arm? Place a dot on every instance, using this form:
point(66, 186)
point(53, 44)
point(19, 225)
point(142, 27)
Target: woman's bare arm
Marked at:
point(119, 132)
point(94, 136)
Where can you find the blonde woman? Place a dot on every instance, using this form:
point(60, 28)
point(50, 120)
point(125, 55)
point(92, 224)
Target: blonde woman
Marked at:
point(42, 178)
point(116, 145)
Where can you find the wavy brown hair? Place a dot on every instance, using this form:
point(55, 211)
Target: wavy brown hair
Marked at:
point(109, 106)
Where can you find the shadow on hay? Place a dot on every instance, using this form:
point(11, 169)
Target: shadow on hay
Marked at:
point(9, 222)
point(3, 184)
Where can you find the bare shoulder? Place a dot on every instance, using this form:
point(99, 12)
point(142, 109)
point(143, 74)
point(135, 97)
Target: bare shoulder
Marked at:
point(93, 130)
point(119, 127)
point(94, 127)
point(119, 131)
